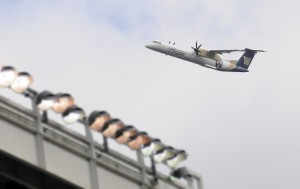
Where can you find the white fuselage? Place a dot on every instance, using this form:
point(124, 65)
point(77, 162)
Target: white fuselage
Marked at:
point(191, 56)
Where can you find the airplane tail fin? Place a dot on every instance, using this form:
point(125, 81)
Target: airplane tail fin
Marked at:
point(247, 58)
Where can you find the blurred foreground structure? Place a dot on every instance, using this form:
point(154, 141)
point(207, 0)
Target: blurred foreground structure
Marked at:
point(39, 154)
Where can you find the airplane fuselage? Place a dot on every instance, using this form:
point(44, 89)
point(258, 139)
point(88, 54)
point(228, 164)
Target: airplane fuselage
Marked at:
point(201, 58)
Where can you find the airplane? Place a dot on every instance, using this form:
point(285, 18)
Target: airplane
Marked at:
point(207, 58)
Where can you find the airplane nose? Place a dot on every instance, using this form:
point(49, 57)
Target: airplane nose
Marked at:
point(148, 46)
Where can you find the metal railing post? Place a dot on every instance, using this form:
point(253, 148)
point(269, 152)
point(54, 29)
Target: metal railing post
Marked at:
point(40, 151)
point(92, 162)
point(143, 169)
point(153, 169)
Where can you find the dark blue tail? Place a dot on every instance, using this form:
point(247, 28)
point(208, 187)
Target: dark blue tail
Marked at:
point(247, 58)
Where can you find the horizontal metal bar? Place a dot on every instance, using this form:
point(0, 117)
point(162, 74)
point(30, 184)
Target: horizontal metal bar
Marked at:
point(67, 147)
point(22, 123)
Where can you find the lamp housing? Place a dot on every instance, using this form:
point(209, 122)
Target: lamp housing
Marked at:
point(22, 82)
point(7, 76)
point(122, 136)
point(151, 147)
point(45, 100)
point(73, 114)
point(62, 102)
point(136, 141)
point(97, 119)
point(111, 127)
point(178, 157)
point(163, 154)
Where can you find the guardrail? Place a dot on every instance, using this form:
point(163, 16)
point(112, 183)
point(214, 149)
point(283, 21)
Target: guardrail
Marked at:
point(97, 155)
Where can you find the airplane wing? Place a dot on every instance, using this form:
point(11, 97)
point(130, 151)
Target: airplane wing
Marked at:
point(224, 51)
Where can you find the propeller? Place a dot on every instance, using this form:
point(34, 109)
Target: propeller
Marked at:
point(197, 48)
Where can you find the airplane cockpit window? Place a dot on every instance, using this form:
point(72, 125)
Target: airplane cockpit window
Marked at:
point(157, 42)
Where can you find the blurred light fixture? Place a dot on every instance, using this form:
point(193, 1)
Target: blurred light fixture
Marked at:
point(163, 154)
point(97, 119)
point(21, 82)
point(181, 172)
point(45, 100)
point(73, 114)
point(136, 141)
point(111, 127)
point(122, 136)
point(151, 147)
point(62, 102)
point(7, 76)
point(178, 157)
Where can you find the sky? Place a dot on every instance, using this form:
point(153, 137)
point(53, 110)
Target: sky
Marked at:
point(241, 130)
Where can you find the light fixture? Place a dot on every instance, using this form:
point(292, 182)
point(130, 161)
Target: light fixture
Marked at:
point(7, 76)
point(45, 100)
point(21, 82)
point(136, 141)
point(163, 154)
point(151, 147)
point(73, 114)
point(62, 102)
point(178, 157)
point(122, 136)
point(111, 127)
point(181, 172)
point(97, 119)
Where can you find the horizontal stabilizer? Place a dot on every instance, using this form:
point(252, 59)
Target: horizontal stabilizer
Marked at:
point(254, 51)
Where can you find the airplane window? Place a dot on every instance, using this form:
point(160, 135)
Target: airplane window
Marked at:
point(157, 42)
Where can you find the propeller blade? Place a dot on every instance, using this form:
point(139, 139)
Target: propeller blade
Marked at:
point(196, 49)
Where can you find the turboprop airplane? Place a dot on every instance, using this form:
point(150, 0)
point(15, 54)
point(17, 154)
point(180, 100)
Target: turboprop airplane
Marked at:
point(207, 58)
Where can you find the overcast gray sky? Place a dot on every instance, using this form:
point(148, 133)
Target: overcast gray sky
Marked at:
point(241, 130)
